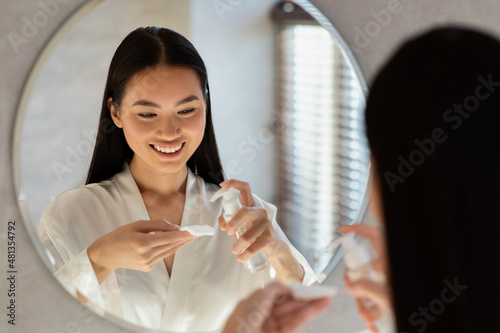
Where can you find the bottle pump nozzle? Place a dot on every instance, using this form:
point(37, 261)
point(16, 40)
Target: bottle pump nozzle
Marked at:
point(355, 254)
point(230, 201)
point(358, 259)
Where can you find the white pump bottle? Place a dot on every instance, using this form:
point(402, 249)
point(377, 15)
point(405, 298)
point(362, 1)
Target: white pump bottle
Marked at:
point(358, 259)
point(231, 205)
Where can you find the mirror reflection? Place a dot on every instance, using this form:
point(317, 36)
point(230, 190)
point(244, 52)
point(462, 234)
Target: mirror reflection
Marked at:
point(285, 106)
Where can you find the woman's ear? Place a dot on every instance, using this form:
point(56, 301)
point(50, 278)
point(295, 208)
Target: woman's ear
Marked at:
point(115, 115)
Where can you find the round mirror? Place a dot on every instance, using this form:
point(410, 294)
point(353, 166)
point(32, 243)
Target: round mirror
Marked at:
point(287, 104)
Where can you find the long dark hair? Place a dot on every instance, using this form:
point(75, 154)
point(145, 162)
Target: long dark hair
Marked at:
point(433, 119)
point(145, 48)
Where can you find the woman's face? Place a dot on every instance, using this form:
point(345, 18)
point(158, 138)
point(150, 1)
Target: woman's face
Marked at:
point(163, 117)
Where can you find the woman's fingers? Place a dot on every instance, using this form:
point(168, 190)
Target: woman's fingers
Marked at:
point(222, 223)
point(166, 237)
point(369, 290)
point(297, 320)
point(150, 260)
point(293, 315)
point(295, 305)
point(377, 239)
point(145, 260)
point(290, 306)
point(374, 234)
point(244, 188)
point(278, 311)
point(369, 310)
point(138, 245)
point(153, 226)
point(257, 245)
point(260, 230)
point(257, 309)
point(366, 315)
point(162, 249)
point(245, 217)
point(273, 292)
point(166, 251)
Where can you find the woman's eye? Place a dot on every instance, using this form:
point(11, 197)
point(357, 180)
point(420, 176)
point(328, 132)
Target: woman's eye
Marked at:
point(147, 115)
point(186, 111)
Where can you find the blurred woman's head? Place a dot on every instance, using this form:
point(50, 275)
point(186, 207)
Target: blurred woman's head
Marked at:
point(432, 124)
point(151, 63)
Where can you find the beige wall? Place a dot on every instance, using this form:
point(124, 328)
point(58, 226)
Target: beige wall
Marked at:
point(41, 304)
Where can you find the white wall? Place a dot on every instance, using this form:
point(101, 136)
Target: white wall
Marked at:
point(237, 45)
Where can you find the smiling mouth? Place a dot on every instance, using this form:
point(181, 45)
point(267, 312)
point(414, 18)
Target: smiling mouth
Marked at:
point(167, 150)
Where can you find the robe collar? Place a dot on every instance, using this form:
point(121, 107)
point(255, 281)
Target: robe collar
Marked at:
point(174, 290)
point(134, 203)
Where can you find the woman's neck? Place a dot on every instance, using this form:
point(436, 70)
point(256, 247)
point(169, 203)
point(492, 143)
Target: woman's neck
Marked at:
point(161, 184)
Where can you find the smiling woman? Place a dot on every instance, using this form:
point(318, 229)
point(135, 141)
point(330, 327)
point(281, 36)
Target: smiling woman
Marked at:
point(171, 82)
point(163, 119)
point(117, 242)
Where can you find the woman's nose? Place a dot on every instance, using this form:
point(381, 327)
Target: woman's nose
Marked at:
point(169, 129)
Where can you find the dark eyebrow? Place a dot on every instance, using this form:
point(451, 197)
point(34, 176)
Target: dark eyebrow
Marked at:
point(143, 102)
point(187, 100)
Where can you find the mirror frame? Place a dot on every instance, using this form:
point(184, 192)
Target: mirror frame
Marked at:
point(348, 54)
point(40, 62)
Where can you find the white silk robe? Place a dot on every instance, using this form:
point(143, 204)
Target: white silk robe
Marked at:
point(206, 281)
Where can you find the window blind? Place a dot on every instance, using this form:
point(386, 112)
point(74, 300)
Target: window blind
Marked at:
point(322, 151)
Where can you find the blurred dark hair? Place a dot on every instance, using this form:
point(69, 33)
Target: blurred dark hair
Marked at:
point(433, 118)
point(145, 48)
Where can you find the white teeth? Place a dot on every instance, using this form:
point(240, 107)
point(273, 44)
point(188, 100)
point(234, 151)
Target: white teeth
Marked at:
point(168, 150)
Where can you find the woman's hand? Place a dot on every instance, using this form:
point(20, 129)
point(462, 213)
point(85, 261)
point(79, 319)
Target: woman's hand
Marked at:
point(139, 246)
point(259, 235)
point(378, 294)
point(273, 310)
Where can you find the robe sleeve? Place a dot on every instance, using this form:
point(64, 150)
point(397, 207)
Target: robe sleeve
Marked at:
point(66, 247)
point(309, 275)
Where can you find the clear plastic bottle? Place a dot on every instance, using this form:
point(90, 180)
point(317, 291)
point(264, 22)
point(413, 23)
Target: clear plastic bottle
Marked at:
point(231, 205)
point(358, 259)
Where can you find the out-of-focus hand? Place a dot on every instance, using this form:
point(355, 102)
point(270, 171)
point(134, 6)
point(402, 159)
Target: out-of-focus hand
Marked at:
point(377, 239)
point(273, 310)
point(373, 299)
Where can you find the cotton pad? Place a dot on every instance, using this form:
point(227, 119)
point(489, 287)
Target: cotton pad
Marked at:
point(199, 230)
point(312, 292)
